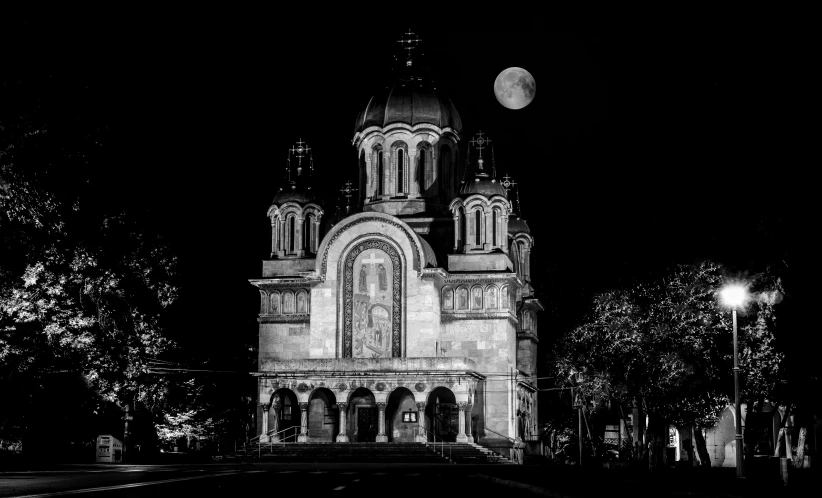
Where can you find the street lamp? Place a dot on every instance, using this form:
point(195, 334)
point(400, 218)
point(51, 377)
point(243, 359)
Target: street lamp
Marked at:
point(734, 296)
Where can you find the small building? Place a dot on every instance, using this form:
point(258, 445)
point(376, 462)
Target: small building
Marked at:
point(109, 449)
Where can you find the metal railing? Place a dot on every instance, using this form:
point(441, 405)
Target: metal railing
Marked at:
point(283, 440)
point(499, 455)
point(442, 444)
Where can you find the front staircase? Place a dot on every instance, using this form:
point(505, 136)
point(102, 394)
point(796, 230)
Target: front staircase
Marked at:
point(370, 453)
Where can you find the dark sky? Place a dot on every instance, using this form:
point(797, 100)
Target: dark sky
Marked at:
point(640, 149)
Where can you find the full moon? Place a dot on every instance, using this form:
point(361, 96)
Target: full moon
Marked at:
point(515, 88)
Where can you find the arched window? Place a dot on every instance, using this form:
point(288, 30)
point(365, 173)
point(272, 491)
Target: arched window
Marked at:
point(447, 298)
point(263, 303)
point(478, 228)
point(503, 297)
point(444, 174)
point(422, 175)
point(363, 176)
point(292, 232)
point(496, 225)
point(463, 228)
point(302, 302)
point(307, 233)
point(400, 171)
point(380, 174)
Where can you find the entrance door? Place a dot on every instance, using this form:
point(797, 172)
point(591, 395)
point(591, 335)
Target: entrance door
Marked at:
point(446, 421)
point(366, 424)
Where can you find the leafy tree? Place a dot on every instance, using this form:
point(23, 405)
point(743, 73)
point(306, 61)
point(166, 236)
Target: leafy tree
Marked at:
point(84, 286)
point(669, 345)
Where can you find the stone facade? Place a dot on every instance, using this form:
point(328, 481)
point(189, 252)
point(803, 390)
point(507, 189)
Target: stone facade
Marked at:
point(366, 334)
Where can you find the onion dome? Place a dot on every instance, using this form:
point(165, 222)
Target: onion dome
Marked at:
point(409, 101)
point(294, 194)
point(517, 225)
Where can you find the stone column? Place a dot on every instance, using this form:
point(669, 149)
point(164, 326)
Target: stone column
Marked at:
point(413, 177)
point(303, 437)
point(342, 437)
point(264, 417)
point(487, 243)
point(381, 436)
point(422, 436)
point(461, 437)
point(468, 409)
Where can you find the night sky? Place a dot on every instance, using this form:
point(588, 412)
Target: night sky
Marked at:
point(640, 150)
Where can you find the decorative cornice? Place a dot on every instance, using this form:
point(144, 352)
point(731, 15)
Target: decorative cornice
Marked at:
point(486, 278)
point(527, 335)
point(452, 316)
point(292, 318)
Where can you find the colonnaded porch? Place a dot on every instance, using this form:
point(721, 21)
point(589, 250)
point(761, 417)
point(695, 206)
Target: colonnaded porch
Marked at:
point(370, 400)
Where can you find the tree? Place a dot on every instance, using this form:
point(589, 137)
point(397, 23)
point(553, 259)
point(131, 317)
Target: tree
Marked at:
point(668, 344)
point(84, 285)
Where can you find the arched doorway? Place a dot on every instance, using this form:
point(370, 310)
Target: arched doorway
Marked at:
point(284, 414)
point(362, 416)
point(323, 419)
point(442, 415)
point(402, 424)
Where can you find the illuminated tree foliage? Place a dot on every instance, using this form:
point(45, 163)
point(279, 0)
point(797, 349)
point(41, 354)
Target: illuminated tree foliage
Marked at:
point(83, 286)
point(669, 345)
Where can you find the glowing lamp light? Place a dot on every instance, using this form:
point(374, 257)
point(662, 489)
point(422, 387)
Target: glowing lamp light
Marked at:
point(733, 295)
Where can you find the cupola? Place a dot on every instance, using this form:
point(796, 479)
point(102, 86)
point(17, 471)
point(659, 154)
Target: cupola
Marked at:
point(481, 209)
point(295, 217)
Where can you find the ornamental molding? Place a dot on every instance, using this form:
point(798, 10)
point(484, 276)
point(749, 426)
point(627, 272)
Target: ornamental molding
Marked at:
point(452, 316)
point(367, 219)
point(503, 280)
point(302, 317)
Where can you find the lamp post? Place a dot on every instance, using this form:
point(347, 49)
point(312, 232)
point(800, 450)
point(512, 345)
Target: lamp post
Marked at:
point(734, 296)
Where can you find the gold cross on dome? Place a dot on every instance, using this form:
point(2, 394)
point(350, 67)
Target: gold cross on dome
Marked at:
point(348, 190)
point(409, 43)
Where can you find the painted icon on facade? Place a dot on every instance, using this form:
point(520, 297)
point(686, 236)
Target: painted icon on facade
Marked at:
point(462, 298)
point(302, 303)
point(372, 329)
point(476, 295)
point(491, 298)
point(275, 303)
point(288, 302)
point(448, 299)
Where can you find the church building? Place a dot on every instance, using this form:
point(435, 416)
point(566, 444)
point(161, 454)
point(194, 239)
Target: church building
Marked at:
point(406, 314)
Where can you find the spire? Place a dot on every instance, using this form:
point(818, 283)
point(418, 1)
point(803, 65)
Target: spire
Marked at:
point(299, 170)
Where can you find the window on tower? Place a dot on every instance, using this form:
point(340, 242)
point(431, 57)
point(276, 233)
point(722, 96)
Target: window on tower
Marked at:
point(380, 174)
point(292, 232)
point(478, 228)
point(400, 171)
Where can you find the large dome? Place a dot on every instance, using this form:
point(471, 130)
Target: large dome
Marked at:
point(298, 195)
point(410, 102)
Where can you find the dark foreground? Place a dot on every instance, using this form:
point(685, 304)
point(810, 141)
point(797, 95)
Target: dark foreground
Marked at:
point(400, 480)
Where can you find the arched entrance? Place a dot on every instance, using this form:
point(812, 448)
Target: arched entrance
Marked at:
point(401, 416)
point(323, 420)
point(442, 415)
point(284, 414)
point(362, 416)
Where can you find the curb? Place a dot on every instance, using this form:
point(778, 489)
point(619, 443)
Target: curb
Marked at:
point(528, 487)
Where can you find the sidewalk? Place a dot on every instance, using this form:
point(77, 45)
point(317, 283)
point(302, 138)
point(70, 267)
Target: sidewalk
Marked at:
point(556, 481)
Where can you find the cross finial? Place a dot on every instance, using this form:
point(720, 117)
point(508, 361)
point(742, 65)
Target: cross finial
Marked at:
point(347, 190)
point(409, 44)
point(299, 150)
point(507, 182)
point(479, 143)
